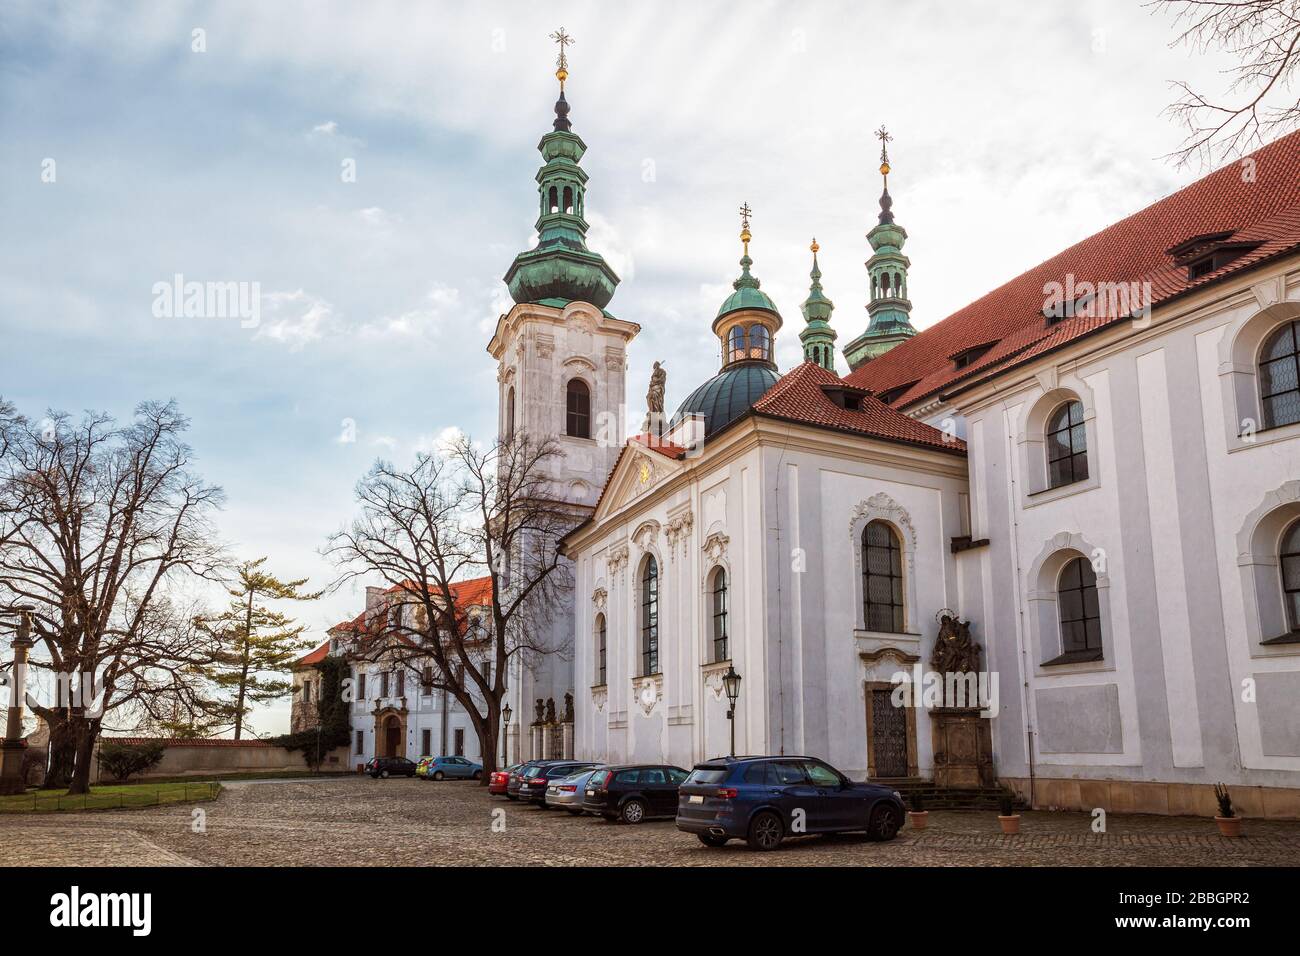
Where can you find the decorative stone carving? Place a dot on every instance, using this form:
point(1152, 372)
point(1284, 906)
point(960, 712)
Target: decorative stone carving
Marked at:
point(550, 710)
point(568, 707)
point(715, 546)
point(599, 697)
point(646, 535)
point(712, 674)
point(616, 559)
point(954, 651)
point(545, 344)
point(600, 597)
point(649, 691)
point(539, 710)
point(678, 530)
point(881, 506)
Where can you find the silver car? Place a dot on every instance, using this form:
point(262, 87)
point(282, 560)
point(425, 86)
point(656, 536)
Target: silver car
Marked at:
point(568, 793)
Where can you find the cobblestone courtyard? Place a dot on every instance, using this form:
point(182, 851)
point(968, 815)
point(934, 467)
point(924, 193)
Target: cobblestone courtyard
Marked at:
point(359, 821)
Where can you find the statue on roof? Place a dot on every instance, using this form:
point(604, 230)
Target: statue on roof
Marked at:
point(654, 399)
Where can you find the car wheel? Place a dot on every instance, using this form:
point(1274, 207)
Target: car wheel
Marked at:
point(437, 775)
point(884, 823)
point(384, 774)
point(478, 774)
point(632, 812)
point(766, 831)
point(711, 839)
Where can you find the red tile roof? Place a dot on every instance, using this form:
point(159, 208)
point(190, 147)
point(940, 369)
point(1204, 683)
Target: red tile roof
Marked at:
point(315, 657)
point(803, 395)
point(1263, 207)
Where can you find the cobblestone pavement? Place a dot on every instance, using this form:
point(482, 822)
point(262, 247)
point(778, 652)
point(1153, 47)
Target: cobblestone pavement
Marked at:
point(359, 821)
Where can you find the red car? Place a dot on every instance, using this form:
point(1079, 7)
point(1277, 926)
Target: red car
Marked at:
point(500, 779)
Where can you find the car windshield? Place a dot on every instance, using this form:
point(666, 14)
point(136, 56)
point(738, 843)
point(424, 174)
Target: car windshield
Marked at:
point(707, 775)
point(533, 771)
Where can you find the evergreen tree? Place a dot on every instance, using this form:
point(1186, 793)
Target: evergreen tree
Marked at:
point(256, 644)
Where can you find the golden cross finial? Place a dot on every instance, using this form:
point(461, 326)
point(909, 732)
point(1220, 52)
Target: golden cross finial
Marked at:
point(562, 61)
point(882, 134)
point(814, 248)
point(745, 213)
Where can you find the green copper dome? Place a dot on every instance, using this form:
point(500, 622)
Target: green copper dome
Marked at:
point(727, 396)
point(561, 268)
point(747, 294)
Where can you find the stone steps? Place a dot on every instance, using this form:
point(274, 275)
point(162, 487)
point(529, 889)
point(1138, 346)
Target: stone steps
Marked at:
point(951, 798)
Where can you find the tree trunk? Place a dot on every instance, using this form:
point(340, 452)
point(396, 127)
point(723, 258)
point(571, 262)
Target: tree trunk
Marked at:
point(63, 750)
point(243, 673)
point(87, 732)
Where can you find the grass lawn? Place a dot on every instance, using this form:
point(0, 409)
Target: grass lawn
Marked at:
point(122, 797)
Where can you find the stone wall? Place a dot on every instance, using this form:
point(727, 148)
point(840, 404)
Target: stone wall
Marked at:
point(1140, 796)
point(185, 758)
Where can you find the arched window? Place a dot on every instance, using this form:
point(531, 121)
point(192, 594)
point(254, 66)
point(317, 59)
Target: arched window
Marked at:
point(882, 578)
point(650, 617)
point(568, 199)
point(578, 405)
point(510, 413)
point(1067, 446)
point(736, 346)
point(1076, 593)
point(721, 632)
point(1279, 376)
point(1289, 559)
point(759, 341)
point(554, 204)
point(600, 649)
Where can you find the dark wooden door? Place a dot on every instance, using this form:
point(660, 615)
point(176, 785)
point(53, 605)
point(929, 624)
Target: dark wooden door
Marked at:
point(888, 736)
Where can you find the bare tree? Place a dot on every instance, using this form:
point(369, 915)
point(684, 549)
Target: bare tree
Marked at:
point(468, 512)
point(1259, 102)
point(100, 519)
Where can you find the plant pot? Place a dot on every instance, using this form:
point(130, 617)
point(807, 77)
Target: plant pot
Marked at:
point(1010, 824)
point(1229, 826)
point(917, 818)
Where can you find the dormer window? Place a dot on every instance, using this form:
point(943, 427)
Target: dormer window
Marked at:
point(1204, 254)
point(891, 395)
point(970, 356)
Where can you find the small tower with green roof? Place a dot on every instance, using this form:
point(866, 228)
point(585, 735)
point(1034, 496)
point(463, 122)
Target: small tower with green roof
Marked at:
point(889, 308)
point(818, 337)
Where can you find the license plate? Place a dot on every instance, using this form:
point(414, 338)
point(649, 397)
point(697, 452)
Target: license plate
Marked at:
point(591, 793)
point(696, 798)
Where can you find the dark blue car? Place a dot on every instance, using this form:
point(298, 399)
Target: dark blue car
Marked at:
point(762, 800)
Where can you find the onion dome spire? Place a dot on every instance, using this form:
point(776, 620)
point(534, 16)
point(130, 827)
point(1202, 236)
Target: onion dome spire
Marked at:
point(886, 201)
point(561, 269)
point(747, 294)
point(817, 336)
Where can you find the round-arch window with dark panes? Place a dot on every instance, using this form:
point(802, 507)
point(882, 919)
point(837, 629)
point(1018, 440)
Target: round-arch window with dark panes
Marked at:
point(510, 413)
point(1076, 594)
point(1289, 559)
point(760, 341)
point(721, 642)
point(882, 578)
point(600, 649)
point(735, 344)
point(650, 617)
point(1067, 446)
point(578, 409)
point(1279, 376)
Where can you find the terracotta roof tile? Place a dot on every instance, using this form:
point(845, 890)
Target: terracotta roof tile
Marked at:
point(1263, 208)
point(315, 657)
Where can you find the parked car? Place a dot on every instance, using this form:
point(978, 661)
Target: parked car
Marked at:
point(535, 783)
point(452, 768)
point(568, 793)
point(517, 777)
point(762, 800)
point(390, 767)
point(634, 793)
point(500, 779)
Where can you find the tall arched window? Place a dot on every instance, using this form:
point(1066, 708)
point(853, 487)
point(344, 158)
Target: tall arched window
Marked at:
point(736, 344)
point(1279, 376)
point(760, 342)
point(1289, 559)
point(650, 617)
point(578, 406)
point(600, 649)
point(568, 199)
point(510, 413)
point(554, 204)
point(1067, 446)
point(721, 631)
point(1076, 593)
point(882, 578)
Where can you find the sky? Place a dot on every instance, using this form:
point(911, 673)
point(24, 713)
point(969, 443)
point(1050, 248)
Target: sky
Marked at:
point(370, 166)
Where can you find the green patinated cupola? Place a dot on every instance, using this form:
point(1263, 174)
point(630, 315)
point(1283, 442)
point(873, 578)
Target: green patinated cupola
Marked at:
point(561, 269)
point(818, 337)
point(889, 307)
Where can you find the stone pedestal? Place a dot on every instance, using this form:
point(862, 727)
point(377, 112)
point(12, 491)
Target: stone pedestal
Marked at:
point(963, 748)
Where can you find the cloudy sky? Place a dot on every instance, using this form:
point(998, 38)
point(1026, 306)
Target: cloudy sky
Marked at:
point(1019, 129)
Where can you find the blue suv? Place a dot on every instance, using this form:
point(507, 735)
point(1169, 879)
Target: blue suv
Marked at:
point(762, 800)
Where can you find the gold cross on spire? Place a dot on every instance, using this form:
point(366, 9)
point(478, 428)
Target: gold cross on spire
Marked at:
point(882, 134)
point(745, 213)
point(562, 61)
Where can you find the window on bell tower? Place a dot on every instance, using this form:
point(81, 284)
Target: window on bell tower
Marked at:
point(578, 409)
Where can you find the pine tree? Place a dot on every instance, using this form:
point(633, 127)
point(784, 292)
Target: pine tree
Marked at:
point(255, 642)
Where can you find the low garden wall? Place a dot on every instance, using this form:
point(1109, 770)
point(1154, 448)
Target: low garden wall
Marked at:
point(185, 758)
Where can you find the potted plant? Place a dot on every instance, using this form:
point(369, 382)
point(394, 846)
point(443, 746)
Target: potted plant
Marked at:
point(1007, 815)
point(918, 814)
point(1227, 819)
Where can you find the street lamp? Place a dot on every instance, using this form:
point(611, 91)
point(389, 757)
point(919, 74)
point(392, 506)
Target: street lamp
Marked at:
point(731, 684)
point(505, 736)
point(14, 746)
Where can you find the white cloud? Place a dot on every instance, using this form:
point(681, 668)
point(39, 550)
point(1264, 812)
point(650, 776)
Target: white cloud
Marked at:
point(441, 305)
point(297, 318)
point(328, 128)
